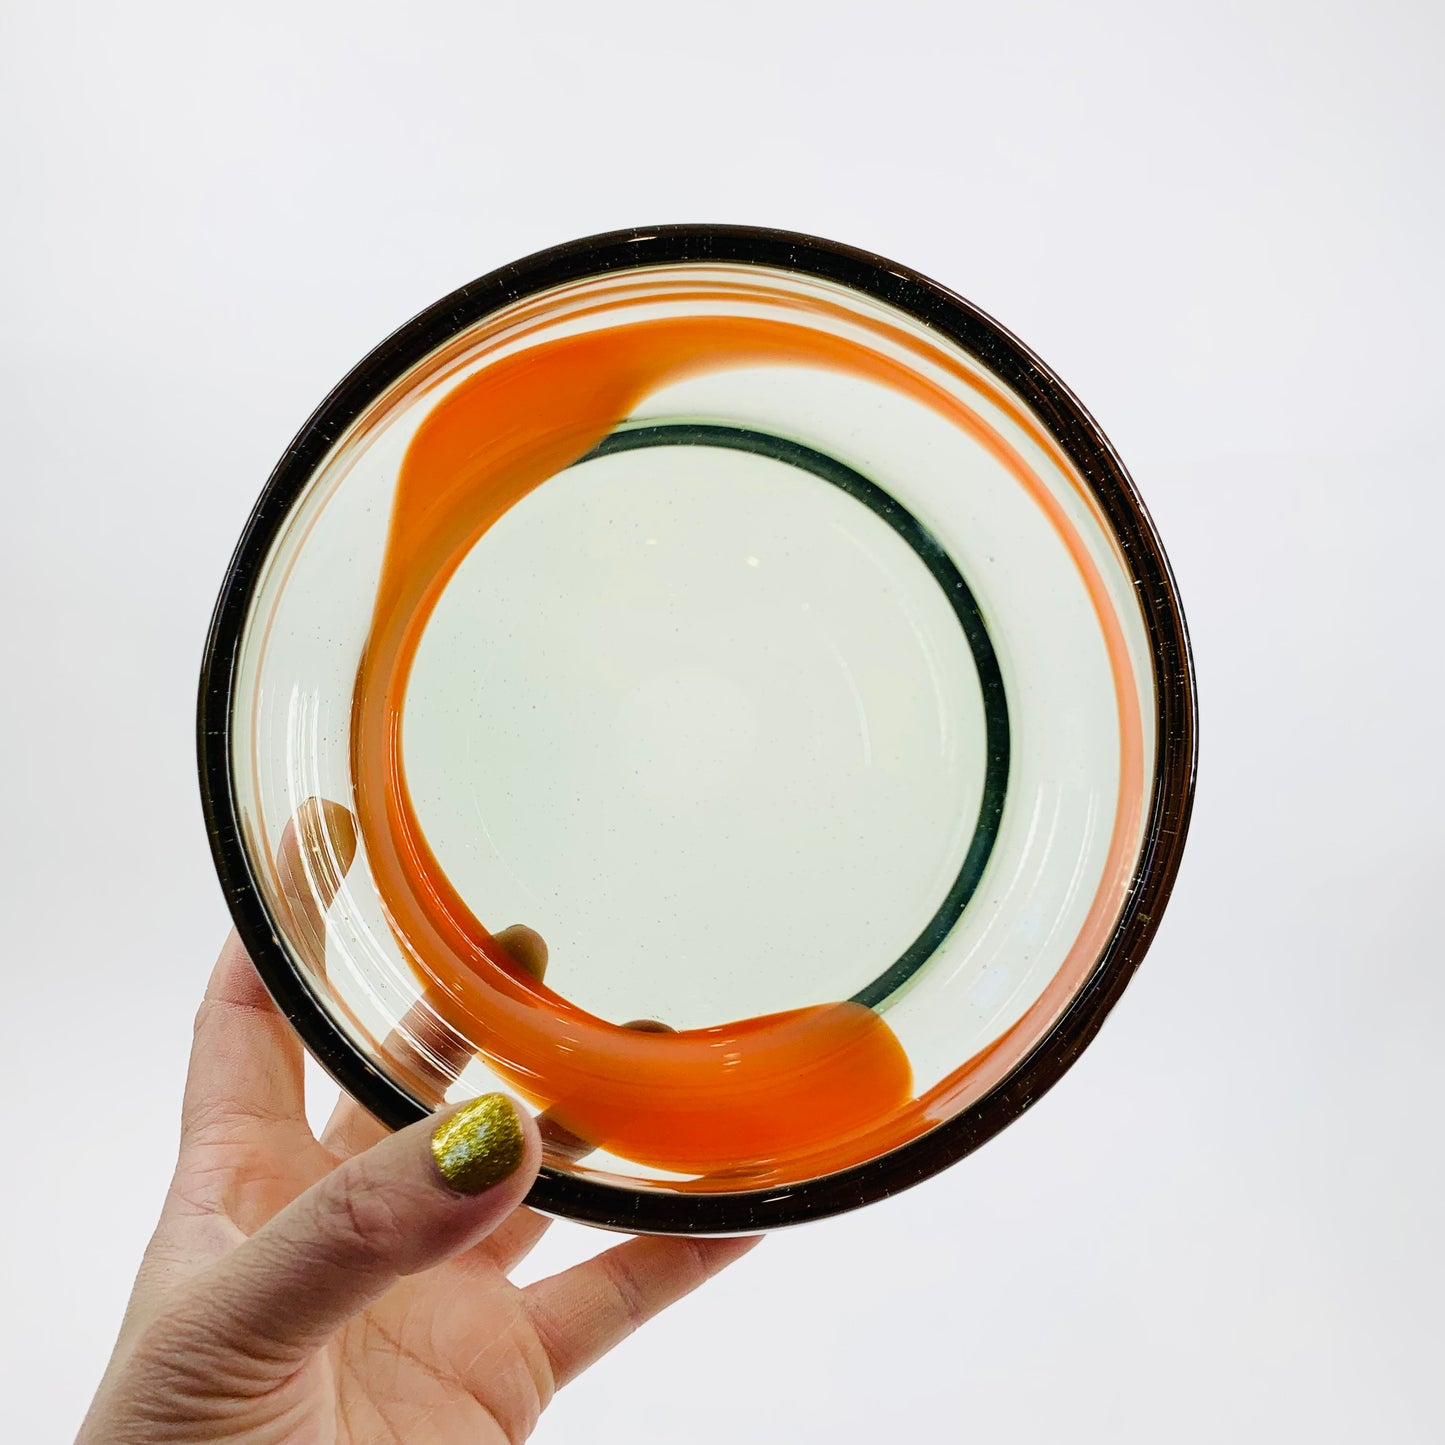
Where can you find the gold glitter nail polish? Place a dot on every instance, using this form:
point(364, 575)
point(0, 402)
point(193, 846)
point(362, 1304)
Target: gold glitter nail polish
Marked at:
point(480, 1144)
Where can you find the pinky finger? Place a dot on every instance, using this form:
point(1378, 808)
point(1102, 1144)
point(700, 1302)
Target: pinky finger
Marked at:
point(582, 1313)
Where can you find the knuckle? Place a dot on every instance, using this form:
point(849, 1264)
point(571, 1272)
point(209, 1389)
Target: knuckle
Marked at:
point(193, 1355)
point(625, 1287)
point(210, 1122)
point(180, 1352)
point(361, 1219)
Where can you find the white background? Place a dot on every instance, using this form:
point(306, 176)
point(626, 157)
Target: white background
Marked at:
point(1220, 223)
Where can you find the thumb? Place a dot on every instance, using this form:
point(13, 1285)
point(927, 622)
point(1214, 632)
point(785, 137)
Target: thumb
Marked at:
point(409, 1202)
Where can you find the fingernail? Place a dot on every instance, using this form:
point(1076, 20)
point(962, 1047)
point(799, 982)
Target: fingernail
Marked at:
point(480, 1144)
point(526, 948)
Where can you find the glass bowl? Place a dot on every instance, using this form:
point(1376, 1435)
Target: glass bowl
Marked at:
point(774, 635)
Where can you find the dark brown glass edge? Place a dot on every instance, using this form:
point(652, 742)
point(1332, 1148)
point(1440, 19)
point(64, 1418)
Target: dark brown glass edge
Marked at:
point(1081, 439)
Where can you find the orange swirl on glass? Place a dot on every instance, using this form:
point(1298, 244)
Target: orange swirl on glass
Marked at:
point(761, 1100)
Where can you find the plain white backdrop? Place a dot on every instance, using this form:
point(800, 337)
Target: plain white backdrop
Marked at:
point(1221, 223)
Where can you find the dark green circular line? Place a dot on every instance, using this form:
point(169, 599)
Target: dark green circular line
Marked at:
point(941, 567)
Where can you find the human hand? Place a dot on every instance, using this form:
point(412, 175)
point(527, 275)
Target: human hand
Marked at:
point(354, 1288)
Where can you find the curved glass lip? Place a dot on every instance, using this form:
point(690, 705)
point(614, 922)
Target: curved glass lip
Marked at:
point(637, 1210)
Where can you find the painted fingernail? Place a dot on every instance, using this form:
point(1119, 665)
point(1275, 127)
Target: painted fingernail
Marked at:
point(480, 1144)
